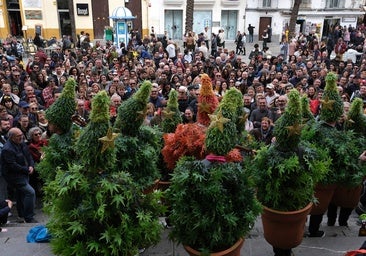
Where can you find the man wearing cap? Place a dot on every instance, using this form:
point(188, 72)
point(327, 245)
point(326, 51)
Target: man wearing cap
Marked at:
point(353, 84)
point(23, 110)
point(270, 95)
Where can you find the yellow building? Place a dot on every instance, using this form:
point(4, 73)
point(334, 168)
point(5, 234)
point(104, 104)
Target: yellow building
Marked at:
point(54, 17)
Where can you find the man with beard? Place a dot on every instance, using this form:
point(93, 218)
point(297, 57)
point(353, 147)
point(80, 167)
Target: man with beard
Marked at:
point(260, 112)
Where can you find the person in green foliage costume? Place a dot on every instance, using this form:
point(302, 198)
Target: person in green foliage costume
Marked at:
point(59, 149)
point(331, 111)
point(207, 212)
point(344, 144)
point(171, 113)
point(139, 146)
point(98, 209)
point(288, 163)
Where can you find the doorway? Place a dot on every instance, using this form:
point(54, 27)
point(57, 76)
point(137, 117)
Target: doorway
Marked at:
point(65, 23)
point(229, 19)
point(15, 21)
point(329, 25)
point(263, 24)
point(201, 20)
point(174, 24)
point(100, 12)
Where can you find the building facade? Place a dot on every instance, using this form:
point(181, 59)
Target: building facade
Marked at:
point(169, 16)
point(316, 16)
point(53, 17)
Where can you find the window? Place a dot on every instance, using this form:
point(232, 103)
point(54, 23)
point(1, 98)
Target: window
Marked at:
point(305, 4)
point(266, 3)
point(62, 4)
point(335, 3)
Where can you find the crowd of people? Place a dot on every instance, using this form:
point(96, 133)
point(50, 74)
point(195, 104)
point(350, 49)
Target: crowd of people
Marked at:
point(30, 86)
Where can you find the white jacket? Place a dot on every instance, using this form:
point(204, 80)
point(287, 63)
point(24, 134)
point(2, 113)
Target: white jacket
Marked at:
point(351, 54)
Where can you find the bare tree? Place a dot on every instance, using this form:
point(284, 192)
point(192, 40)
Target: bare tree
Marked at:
point(189, 15)
point(293, 18)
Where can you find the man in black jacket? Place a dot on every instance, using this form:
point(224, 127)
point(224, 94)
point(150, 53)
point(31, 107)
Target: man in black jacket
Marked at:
point(17, 165)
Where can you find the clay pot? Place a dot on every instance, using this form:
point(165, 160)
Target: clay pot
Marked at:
point(347, 197)
point(232, 251)
point(324, 194)
point(284, 230)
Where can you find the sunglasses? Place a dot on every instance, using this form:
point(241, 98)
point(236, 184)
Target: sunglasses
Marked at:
point(37, 134)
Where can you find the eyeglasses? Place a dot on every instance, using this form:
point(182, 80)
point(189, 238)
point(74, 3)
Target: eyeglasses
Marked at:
point(115, 81)
point(34, 108)
point(37, 134)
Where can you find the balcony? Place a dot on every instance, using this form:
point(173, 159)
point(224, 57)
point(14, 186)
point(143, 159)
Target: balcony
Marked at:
point(230, 2)
point(204, 2)
point(173, 2)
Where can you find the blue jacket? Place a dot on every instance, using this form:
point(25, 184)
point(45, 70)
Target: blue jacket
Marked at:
point(15, 161)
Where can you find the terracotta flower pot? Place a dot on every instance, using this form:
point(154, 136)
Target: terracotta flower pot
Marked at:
point(232, 251)
point(347, 197)
point(324, 194)
point(284, 230)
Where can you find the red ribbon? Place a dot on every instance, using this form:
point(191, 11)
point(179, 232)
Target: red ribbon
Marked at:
point(215, 158)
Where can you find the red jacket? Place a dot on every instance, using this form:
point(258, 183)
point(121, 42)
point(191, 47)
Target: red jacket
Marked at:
point(340, 48)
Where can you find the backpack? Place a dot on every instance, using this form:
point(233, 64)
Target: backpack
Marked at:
point(38, 234)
